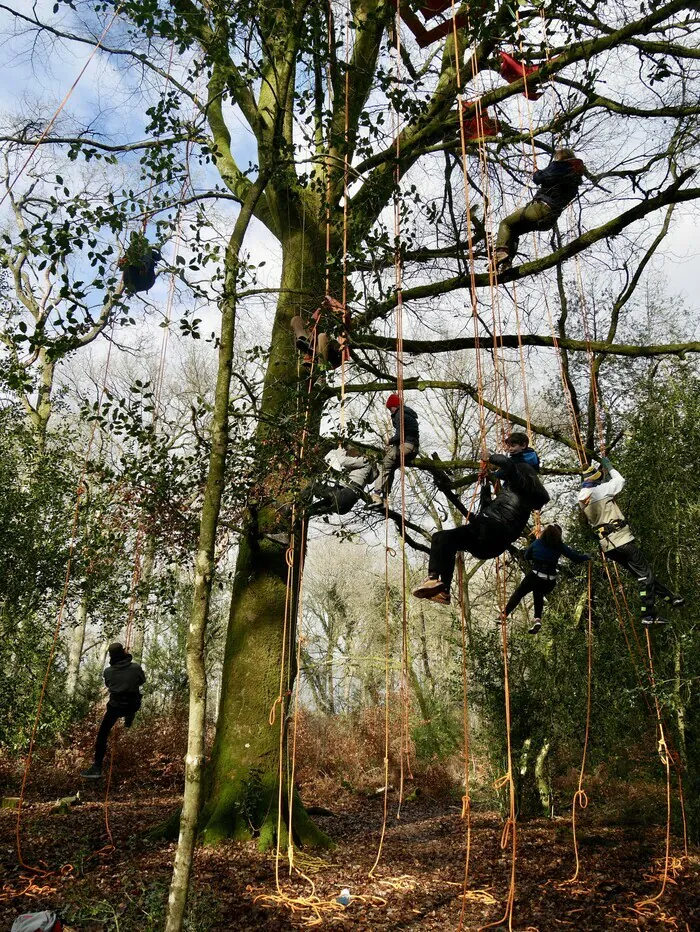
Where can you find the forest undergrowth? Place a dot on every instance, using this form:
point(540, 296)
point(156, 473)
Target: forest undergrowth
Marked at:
point(122, 886)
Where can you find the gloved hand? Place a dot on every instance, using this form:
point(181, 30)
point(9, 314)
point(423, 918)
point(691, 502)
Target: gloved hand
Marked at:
point(606, 464)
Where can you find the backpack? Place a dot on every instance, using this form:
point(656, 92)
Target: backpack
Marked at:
point(37, 922)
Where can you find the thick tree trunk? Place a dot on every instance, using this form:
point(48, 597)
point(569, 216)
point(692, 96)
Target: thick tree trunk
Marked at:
point(75, 651)
point(243, 777)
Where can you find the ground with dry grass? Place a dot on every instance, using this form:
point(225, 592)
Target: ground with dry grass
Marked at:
point(102, 872)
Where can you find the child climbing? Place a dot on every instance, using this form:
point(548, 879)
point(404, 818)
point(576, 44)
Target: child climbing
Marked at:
point(558, 185)
point(487, 534)
point(123, 678)
point(543, 554)
point(394, 448)
point(617, 542)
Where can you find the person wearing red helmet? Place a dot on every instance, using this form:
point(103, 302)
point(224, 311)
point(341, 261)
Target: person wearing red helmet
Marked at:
point(405, 421)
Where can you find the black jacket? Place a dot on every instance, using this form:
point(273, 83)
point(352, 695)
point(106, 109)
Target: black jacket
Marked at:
point(508, 513)
point(123, 680)
point(559, 182)
point(410, 426)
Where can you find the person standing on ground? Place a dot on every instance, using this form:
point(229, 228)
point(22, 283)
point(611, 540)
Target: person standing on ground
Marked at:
point(123, 678)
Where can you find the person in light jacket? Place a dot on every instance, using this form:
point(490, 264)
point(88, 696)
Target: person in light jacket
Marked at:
point(597, 501)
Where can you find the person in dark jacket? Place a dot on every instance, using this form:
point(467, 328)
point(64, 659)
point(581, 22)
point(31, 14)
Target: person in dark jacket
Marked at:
point(597, 501)
point(123, 678)
point(558, 185)
point(394, 449)
point(499, 523)
point(543, 554)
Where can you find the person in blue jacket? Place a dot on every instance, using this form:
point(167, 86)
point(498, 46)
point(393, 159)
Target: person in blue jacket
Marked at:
point(519, 450)
point(557, 186)
point(543, 554)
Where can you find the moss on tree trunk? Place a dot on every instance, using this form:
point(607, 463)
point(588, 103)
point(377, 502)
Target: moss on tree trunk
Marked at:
point(242, 783)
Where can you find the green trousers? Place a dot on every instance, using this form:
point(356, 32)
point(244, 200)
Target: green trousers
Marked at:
point(533, 216)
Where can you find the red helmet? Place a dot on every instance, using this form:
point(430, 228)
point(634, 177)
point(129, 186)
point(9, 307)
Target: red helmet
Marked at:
point(393, 401)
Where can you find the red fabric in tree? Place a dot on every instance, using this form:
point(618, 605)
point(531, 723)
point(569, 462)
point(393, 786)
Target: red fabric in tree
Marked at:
point(475, 128)
point(513, 70)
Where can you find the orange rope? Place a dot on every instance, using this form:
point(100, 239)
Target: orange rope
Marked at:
point(466, 800)
point(80, 489)
point(580, 800)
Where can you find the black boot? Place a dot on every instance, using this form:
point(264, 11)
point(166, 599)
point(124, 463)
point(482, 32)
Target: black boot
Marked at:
point(92, 773)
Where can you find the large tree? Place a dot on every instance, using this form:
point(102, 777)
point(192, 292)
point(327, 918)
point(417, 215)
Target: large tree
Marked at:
point(315, 86)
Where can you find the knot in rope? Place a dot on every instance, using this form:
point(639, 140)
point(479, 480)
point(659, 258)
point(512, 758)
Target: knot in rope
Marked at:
point(391, 551)
point(466, 805)
point(289, 556)
point(502, 781)
point(581, 799)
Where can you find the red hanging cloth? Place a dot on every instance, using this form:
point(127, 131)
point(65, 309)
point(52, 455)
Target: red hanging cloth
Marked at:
point(478, 126)
point(513, 70)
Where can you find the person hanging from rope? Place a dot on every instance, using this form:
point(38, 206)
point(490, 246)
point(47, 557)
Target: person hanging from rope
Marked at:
point(543, 553)
point(487, 534)
point(123, 678)
point(320, 497)
point(316, 344)
point(394, 448)
point(617, 542)
point(558, 185)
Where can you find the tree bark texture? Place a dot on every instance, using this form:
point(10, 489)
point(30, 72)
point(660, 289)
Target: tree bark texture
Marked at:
point(243, 777)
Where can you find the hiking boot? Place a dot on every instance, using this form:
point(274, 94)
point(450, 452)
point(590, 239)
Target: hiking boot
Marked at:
point(430, 588)
point(441, 598)
point(536, 626)
point(502, 260)
point(92, 773)
point(654, 621)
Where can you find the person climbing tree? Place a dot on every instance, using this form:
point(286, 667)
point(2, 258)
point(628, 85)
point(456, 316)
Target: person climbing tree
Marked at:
point(123, 678)
point(487, 534)
point(519, 450)
point(617, 542)
point(327, 351)
point(394, 448)
point(558, 185)
point(332, 497)
point(138, 264)
point(543, 553)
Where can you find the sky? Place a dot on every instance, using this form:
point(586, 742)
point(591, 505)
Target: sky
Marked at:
point(40, 74)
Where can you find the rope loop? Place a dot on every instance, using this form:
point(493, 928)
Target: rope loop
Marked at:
point(466, 806)
point(273, 710)
point(289, 556)
point(508, 827)
point(581, 799)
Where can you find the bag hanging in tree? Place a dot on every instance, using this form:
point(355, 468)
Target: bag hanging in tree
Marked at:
point(37, 922)
point(138, 264)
